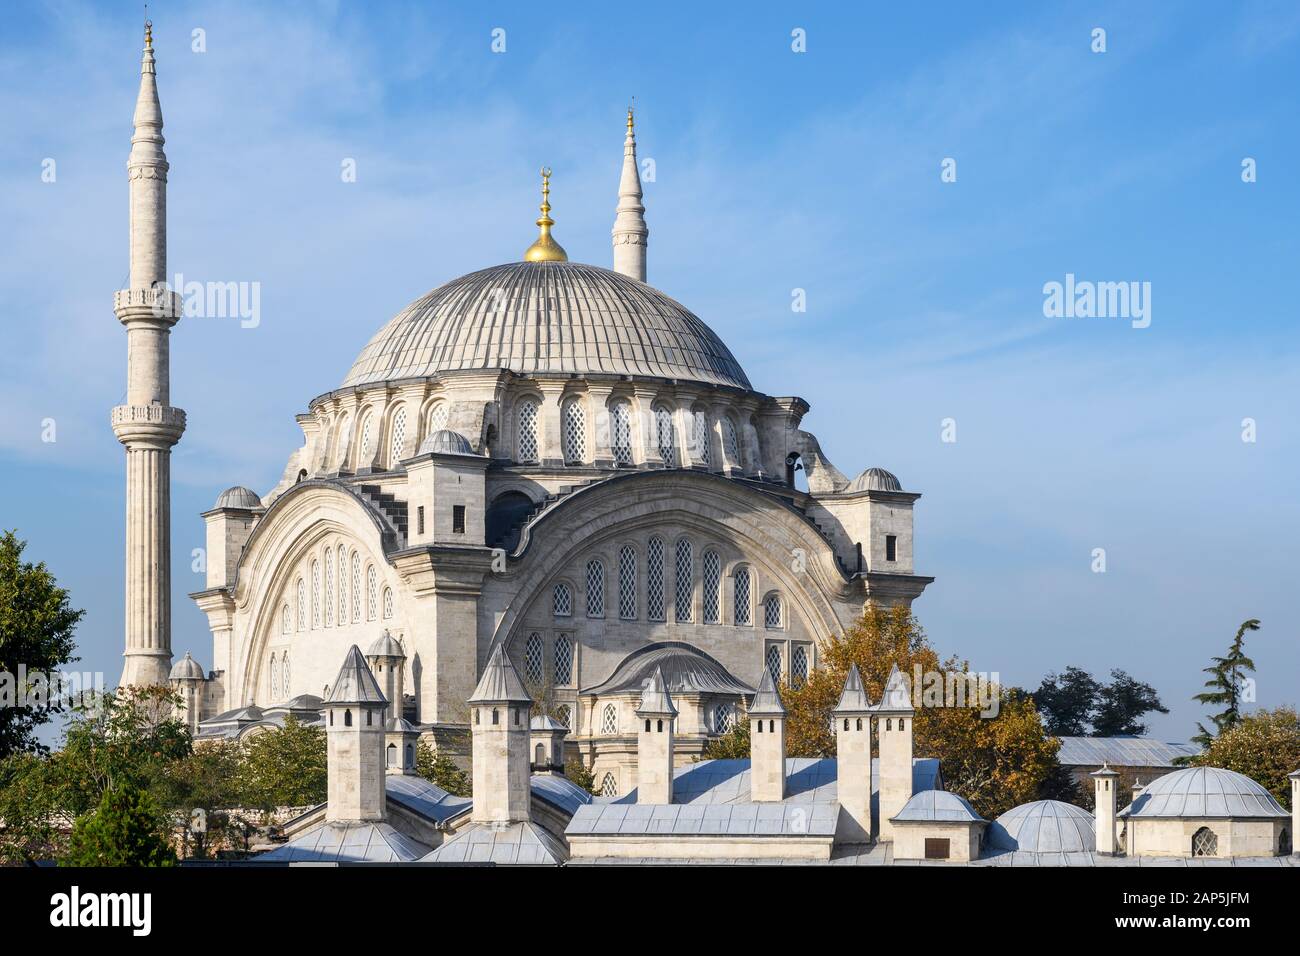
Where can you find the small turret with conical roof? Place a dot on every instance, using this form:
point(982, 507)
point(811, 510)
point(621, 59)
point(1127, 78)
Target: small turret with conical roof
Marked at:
point(387, 659)
point(1105, 803)
point(354, 735)
point(894, 733)
point(853, 759)
point(500, 724)
point(654, 743)
point(767, 742)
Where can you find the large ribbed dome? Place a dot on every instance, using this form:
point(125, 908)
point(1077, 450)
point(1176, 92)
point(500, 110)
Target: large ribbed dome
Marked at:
point(547, 317)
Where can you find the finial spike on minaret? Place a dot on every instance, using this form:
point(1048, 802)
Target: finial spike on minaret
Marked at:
point(630, 231)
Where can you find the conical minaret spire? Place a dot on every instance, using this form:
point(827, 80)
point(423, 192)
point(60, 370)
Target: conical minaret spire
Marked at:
point(630, 231)
point(147, 425)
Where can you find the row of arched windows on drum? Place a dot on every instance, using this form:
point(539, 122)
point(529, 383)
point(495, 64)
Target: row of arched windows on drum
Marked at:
point(332, 592)
point(659, 597)
point(397, 428)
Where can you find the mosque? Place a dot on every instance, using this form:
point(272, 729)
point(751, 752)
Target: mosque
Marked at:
point(549, 502)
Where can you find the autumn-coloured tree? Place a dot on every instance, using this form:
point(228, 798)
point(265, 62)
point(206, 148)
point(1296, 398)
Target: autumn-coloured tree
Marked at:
point(1265, 746)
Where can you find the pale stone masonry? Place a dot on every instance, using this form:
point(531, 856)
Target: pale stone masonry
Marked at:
point(1106, 798)
point(355, 736)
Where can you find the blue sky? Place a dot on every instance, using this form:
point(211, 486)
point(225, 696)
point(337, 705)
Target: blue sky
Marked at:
point(774, 171)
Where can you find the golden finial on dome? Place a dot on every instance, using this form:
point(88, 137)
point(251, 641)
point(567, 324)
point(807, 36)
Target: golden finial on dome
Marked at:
point(545, 249)
point(148, 34)
point(629, 116)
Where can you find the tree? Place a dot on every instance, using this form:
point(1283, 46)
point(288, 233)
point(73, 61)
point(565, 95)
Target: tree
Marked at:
point(31, 824)
point(1120, 705)
point(1068, 702)
point(441, 771)
point(36, 625)
point(284, 767)
point(1264, 746)
point(127, 829)
point(1224, 687)
point(732, 745)
point(580, 774)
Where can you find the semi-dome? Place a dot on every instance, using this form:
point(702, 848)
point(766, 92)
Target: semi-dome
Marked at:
point(875, 479)
point(686, 670)
point(537, 317)
point(1044, 826)
point(1204, 792)
point(446, 442)
point(187, 668)
point(238, 497)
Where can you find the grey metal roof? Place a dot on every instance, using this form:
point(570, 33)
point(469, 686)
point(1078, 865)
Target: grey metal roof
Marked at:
point(655, 698)
point(426, 799)
point(1204, 792)
point(560, 317)
point(854, 697)
point(446, 442)
point(238, 497)
point(546, 723)
point(355, 683)
point(304, 706)
point(500, 682)
point(767, 700)
point(386, 645)
point(686, 670)
point(935, 806)
point(875, 479)
point(514, 844)
point(1044, 826)
point(703, 819)
point(1122, 752)
point(897, 697)
point(400, 725)
point(187, 668)
point(348, 843)
point(560, 792)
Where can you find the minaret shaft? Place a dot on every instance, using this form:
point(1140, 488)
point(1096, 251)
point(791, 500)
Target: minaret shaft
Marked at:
point(147, 425)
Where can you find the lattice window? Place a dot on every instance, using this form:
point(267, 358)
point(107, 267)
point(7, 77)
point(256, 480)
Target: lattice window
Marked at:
point(683, 573)
point(274, 689)
point(563, 661)
point(774, 661)
point(609, 786)
point(527, 443)
point(742, 601)
point(315, 594)
point(341, 440)
point(356, 587)
point(799, 665)
point(388, 603)
point(730, 441)
point(367, 452)
point(627, 583)
point(1205, 843)
point(664, 436)
point(286, 620)
point(302, 604)
point(284, 677)
point(609, 720)
point(621, 433)
point(595, 588)
point(564, 714)
point(562, 601)
point(397, 443)
point(654, 585)
point(343, 586)
point(722, 717)
point(372, 593)
point(700, 438)
point(712, 588)
point(772, 611)
point(438, 417)
point(575, 432)
point(533, 658)
point(329, 588)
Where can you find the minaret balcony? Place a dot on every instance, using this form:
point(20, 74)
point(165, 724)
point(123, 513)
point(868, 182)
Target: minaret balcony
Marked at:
point(158, 425)
point(155, 304)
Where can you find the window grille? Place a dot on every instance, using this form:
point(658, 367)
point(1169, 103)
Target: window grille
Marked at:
point(700, 436)
point(388, 603)
point(621, 438)
point(563, 660)
point(342, 614)
point(329, 588)
point(562, 601)
point(774, 662)
point(664, 435)
point(1205, 843)
point(654, 588)
point(302, 604)
point(528, 431)
point(533, 658)
point(722, 715)
point(609, 786)
point(684, 569)
point(575, 432)
point(564, 714)
point(799, 665)
point(627, 583)
point(438, 417)
point(356, 587)
point(730, 441)
point(772, 611)
point(398, 442)
point(712, 588)
point(315, 594)
point(595, 589)
point(742, 597)
point(609, 720)
point(372, 594)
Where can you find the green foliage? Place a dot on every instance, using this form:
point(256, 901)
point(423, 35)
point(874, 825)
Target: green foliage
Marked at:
point(1121, 704)
point(1075, 704)
point(29, 810)
point(1264, 746)
point(1227, 677)
point(580, 774)
point(733, 745)
point(441, 771)
point(1060, 784)
point(36, 625)
point(284, 767)
point(127, 829)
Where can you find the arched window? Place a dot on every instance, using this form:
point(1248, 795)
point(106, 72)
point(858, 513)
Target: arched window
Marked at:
point(595, 588)
point(329, 588)
point(315, 594)
point(700, 438)
point(343, 586)
point(391, 752)
point(564, 714)
point(627, 583)
point(574, 423)
point(664, 436)
point(712, 588)
point(274, 690)
point(609, 786)
point(722, 717)
point(343, 436)
point(654, 584)
point(609, 720)
point(533, 658)
point(774, 662)
point(730, 441)
point(366, 447)
point(1205, 842)
point(284, 676)
point(372, 593)
point(388, 603)
point(347, 718)
point(437, 418)
point(302, 604)
point(563, 660)
point(356, 587)
point(772, 611)
point(620, 437)
point(526, 446)
point(286, 620)
point(798, 665)
point(683, 581)
point(397, 439)
point(562, 601)
point(742, 600)
point(539, 755)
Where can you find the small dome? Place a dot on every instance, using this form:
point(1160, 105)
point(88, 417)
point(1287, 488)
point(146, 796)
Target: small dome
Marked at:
point(386, 646)
point(238, 497)
point(1204, 792)
point(1045, 826)
point(400, 725)
point(446, 442)
point(875, 479)
point(543, 722)
point(187, 668)
point(938, 806)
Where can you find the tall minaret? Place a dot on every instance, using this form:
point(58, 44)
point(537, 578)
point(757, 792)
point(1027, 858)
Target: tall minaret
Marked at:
point(147, 424)
point(630, 230)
